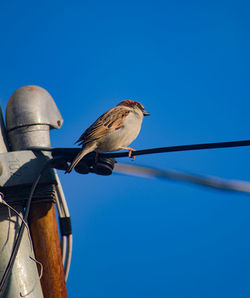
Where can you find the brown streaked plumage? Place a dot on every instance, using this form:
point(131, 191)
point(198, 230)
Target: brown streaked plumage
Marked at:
point(106, 124)
point(112, 131)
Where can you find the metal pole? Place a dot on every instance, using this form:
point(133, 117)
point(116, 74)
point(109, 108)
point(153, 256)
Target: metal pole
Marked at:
point(30, 114)
point(24, 278)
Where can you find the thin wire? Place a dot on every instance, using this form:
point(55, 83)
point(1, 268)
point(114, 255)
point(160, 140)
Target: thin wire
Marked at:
point(2, 201)
point(9, 214)
point(63, 239)
point(64, 212)
point(68, 255)
point(209, 181)
point(40, 276)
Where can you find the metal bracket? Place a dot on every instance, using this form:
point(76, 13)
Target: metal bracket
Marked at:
point(21, 167)
point(102, 166)
point(18, 169)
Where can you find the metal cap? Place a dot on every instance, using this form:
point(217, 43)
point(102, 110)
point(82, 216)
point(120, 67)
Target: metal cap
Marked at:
point(32, 105)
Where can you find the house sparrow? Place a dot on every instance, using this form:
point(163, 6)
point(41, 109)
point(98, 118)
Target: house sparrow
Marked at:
point(113, 131)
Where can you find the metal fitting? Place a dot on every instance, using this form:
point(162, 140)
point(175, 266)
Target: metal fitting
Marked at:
point(31, 113)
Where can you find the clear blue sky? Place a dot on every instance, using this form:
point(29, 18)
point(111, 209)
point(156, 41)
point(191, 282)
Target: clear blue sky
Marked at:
point(188, 63)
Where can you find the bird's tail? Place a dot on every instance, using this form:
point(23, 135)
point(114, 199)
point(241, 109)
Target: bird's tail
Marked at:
point(87, 149)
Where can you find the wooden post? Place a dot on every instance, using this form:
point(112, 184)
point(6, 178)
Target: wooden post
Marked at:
point(44, 232)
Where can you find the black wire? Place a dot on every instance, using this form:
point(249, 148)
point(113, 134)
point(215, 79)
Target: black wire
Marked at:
point(181, 148)
point(68, 153)
point(8, 269)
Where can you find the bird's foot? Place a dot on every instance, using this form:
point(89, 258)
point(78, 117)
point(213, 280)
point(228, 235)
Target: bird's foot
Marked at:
point(130, 150)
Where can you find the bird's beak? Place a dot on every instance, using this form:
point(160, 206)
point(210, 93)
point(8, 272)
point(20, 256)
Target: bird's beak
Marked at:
point(145, 113)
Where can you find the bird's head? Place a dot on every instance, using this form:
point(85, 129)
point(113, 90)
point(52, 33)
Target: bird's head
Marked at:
point(134, 105)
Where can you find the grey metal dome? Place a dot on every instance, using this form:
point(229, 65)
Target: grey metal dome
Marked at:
point(32, 105)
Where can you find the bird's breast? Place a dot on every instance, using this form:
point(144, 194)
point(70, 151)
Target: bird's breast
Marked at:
point(122, 137)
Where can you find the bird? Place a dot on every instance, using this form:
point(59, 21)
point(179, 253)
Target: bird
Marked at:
point(112, 131)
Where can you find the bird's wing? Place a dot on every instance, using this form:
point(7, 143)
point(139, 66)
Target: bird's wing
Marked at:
point(107, 123)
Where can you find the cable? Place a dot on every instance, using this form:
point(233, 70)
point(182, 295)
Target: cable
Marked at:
point(63, 238)
point(182, 148)
point(65, 226)
point(69, 152)
point(208, 181)
point(2, 201)
point(7, 271)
